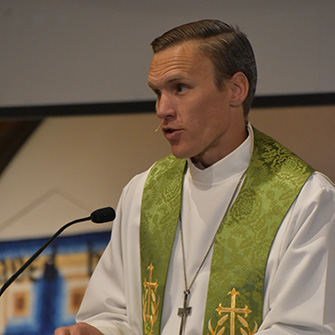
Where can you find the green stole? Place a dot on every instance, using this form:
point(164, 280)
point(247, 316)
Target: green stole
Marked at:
point(235, 293)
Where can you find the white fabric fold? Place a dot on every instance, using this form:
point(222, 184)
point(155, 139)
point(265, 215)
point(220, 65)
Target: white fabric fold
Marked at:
point(300, 276)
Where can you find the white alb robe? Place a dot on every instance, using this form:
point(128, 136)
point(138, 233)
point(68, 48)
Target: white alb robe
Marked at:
point(300, 276)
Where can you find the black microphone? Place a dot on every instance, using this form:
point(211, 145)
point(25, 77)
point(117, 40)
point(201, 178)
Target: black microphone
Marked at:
point(101, 215)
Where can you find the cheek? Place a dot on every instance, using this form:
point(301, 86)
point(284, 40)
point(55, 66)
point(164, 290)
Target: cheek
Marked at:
point(199, 110)
point(211, 123)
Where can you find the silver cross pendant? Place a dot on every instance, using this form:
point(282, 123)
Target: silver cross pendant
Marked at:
point(184, 312)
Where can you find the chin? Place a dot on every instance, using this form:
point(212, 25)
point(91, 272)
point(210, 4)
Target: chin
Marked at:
point(182, 152)
point(180, 155)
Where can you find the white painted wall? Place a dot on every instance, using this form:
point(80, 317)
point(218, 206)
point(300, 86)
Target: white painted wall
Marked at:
point(69, 51)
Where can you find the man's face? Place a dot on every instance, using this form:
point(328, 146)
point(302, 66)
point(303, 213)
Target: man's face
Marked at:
point(196, 116)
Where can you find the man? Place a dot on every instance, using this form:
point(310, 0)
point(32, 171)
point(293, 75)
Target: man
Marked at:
point(237, 237)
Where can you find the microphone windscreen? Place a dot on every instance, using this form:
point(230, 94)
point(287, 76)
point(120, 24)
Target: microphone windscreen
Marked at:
point(103, 215)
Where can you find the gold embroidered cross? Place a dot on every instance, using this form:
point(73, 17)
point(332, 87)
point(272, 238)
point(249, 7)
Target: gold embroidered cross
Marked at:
point(148, 285)
point(233, 310)
point(150, 303)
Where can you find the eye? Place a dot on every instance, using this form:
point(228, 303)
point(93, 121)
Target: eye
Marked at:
point(158, 93)
point(181, 88)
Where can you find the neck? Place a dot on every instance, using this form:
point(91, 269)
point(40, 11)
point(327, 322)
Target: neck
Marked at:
point(208, 159)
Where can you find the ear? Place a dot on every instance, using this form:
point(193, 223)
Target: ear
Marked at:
point(239, 89)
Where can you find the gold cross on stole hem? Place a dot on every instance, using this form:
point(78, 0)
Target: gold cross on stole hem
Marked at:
point(233, 310)
point(149, 285)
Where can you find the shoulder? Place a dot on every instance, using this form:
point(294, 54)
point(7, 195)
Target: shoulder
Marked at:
point(311, 218)
point(317, 198)
point(316, 185)
point(136, 184)
point(317, 195)
point(314, 206)
point(167, 164)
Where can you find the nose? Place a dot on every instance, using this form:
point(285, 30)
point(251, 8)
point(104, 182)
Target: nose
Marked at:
point(165, 107)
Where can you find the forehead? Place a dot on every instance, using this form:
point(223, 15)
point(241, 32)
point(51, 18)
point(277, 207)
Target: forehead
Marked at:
point(181, 60)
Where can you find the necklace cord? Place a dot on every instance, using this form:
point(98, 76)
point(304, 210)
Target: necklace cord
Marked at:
point(188, 288)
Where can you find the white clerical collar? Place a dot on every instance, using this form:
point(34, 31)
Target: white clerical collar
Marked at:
point(235, 163)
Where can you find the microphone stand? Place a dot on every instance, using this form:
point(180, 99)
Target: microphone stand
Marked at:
point(38, 252)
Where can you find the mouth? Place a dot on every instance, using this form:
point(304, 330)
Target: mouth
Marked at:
point(168, 130)
point(171, 133)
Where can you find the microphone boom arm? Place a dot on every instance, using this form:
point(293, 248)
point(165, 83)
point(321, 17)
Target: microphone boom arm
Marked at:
point(101, 215)
point(37, 253)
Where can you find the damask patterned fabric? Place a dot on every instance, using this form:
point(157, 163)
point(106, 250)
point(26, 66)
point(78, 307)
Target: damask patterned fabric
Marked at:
point(300, 272)
point(273, 180)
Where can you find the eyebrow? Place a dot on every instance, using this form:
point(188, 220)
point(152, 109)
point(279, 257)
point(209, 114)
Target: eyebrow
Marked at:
point(169, 81)
point(152, 86)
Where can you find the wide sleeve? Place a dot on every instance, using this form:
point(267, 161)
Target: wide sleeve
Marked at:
point(112, 302)
point(300, 276)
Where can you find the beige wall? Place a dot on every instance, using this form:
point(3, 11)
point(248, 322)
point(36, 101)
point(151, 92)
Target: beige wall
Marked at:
point(73, 165)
